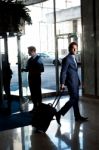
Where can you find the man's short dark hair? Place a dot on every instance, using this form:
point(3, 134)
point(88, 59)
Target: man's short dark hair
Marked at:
point(32, 48)
point(71, 45)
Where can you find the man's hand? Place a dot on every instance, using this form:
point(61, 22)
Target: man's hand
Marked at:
point(22, 70)
point(62, 87)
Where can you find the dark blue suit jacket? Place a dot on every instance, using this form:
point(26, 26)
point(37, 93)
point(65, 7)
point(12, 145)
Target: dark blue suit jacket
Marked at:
point(69, 73)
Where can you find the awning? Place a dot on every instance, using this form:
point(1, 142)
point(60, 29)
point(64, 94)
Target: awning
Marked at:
point(31, 2)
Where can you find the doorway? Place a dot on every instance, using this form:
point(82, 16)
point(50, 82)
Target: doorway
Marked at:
point(63, 41)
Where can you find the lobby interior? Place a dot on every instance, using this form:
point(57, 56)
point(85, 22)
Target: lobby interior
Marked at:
point(16, 131)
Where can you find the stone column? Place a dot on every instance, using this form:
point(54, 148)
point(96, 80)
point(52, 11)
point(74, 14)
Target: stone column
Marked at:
point(1, 84)
point(90, 47)
point(96, 4)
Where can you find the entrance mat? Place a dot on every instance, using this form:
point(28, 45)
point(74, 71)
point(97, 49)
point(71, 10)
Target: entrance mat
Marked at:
point(15, 120)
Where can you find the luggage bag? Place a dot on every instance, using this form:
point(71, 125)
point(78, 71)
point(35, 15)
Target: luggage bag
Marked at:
point(43, 115)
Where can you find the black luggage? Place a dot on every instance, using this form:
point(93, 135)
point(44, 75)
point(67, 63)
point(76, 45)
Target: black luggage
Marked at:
point(43, 115)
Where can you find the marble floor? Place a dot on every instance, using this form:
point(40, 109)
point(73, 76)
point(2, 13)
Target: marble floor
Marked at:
point(70, 136)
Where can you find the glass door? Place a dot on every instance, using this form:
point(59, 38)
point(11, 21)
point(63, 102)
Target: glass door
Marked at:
point(41, 35)
point(16, 62)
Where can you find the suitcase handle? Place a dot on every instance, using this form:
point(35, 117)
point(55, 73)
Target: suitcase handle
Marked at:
point(57, 98)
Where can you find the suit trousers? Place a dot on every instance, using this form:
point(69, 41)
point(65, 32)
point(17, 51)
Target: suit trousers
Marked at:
point(73, 102)
point(35, 89)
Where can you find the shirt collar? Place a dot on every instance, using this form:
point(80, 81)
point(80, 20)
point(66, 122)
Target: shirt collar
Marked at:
point(73, 56)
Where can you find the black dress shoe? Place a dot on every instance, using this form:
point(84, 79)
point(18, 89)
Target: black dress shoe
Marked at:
point(58, 116)
point(81, 119)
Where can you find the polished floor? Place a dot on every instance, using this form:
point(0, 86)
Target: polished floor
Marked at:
point(70, 136)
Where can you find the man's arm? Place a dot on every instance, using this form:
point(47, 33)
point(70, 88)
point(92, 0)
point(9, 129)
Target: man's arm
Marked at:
point(63, 74)
point(41, 65)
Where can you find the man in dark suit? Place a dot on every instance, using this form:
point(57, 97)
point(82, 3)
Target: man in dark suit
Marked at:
point(69, 77)
point(7, 75)
point(35, 68)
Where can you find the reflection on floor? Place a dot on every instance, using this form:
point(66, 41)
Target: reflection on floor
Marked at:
point(26, 91)
point(70, 136)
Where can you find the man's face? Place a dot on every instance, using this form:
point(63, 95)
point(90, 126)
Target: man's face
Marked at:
point(74, 49)
point(31, 53)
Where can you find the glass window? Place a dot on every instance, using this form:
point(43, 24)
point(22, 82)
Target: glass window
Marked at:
point(41, 34)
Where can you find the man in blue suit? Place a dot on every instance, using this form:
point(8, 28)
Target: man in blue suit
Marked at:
point(69, 77)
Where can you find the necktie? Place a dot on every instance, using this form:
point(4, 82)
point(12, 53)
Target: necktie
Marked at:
point(75, 61)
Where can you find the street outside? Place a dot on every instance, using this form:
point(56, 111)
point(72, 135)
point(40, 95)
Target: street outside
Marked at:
point(48, 77)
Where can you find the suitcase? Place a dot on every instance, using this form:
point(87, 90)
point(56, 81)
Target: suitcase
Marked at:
point(43, 115)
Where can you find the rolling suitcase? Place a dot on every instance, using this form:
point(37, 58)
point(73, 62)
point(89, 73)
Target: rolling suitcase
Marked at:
point(43, 115)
